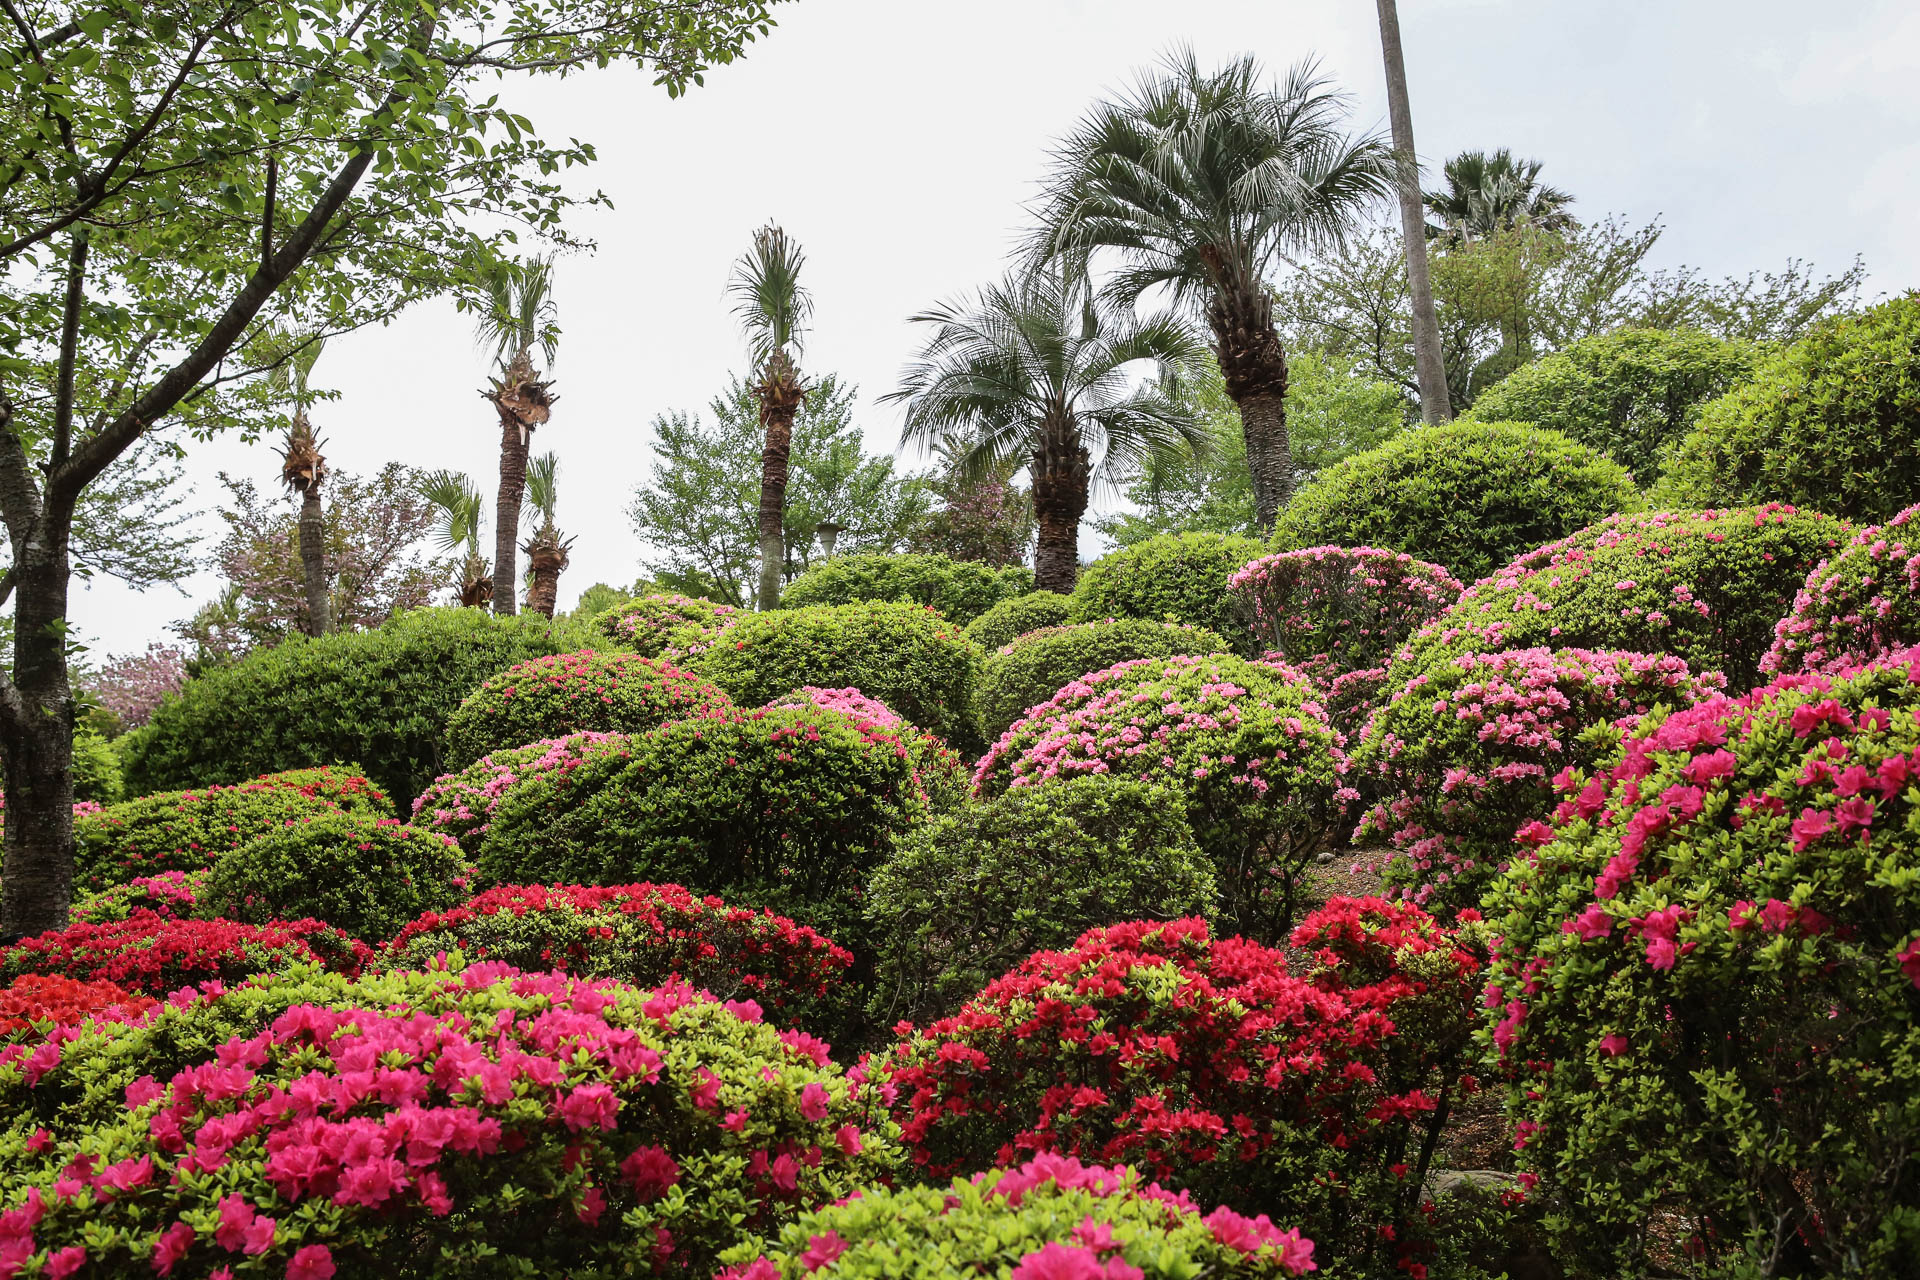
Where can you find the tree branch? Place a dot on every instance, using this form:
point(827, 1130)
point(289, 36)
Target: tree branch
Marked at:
point(266, 217)
point(69, 347)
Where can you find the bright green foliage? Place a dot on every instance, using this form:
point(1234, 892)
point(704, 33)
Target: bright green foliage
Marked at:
point(1177, 577)
point(380, 697)
point(1832, 422)
point(1039, 664)
point(664, 626)
point(96, 769)
point(907, 656)
point(959, 590)
point(1011, 619)
point(1705, 996)
point(1467, 496)
point(1629, 393)
point(369, 876)
point(970, 895)
point(573, 692)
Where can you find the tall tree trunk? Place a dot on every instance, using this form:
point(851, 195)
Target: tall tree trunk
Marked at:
point(313, 562)
point(780, 394)
point(1254, 365)
point(38, 870)
point(523, 404)
point(548, 560)
point(1436, 405)
point(1062, 475)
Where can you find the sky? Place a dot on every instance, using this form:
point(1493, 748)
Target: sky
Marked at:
point(899, 141)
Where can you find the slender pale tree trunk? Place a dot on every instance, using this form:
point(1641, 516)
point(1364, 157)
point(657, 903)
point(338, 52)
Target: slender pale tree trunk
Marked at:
point(1254, 366)
point(780, 394)
point(1436, 405)
point(1062, 475)
point(313, 562)
point(523, 404)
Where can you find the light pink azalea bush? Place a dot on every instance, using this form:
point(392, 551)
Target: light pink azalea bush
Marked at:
point(940, 771)
point(1861, 603)
point(1707, 993)
point(461, 804)
point(670, 626)
point(1354, 606)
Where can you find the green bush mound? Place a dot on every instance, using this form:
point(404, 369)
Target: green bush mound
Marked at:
point(1705, 586)
point(551, 697)
point(959, 590)
point(1468, 496)
point(1855, 606)
point(1832, 422)
point(970, 895)
point(1011, 619)
point(380, 697)
point(369, 876)
point(665, 626)
point(907, 656)
point(1175, 577)
point(1037, 665)
point(97, 775)
point(1707, 994)
point(1630, 393)
point(942, 773)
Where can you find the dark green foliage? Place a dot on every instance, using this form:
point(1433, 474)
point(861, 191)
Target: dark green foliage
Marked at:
point(1039, 664)
point(1831, 422)
point(380, 697)
point(1629, 393)
point(1178, 577)
point(1469, 496)
point(970, 895)
point(960, 590)
point(1011, 619)
point(369, 876)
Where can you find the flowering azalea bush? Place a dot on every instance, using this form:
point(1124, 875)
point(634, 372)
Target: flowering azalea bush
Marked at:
point(1011, 619)
point(1707, 994)
point(549, 698)
point(1246, 744)
point(1464, 755)
point(939, 770)
point(673, 627)
point(369, 876)
point(1175, 577)
point(1207, 1066)
point(642, 934)
point(1052, 1218)
point(171, 894)
point(1861, 603)
point(1705, 586)
point(1350, 606)
point(35, 1004)
point(1032, 668)
point(465, 1123)
point(461, 804)
point(959, 590)
point(156, 955)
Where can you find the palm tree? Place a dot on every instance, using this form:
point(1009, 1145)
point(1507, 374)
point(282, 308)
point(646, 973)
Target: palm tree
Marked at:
point(1039, 368)
point(303, 469)
point(462, 510)
point(774, 309)
point(1486, 194)
point(1435, 403)
point(1201, 181)
point(516, 316)
point(547, 548)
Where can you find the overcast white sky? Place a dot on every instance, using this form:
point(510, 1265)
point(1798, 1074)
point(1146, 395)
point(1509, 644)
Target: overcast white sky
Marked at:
point(897, 140)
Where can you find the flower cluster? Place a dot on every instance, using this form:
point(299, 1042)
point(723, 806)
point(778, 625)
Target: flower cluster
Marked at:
point(1464, 755)
point(673, 627)
point(1354, 605)
point(173, 895)
point(37, 1003)
point(1719, 924)
point(1027, 671)
point(1052, 1217)
point(156, 955)
point(1861, 603)
point(461, 804)
point(939, 770)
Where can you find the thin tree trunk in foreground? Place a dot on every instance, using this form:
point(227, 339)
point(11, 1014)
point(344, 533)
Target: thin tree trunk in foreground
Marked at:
point(313, 562)
point(1436, 405)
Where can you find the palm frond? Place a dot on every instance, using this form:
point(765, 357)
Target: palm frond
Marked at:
point(773, 306)
point(293, 354)
point(542, 491)
point(515, 303)
point(461, 507)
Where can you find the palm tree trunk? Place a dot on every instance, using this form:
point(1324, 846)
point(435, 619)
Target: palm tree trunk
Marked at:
point(1254, 365)
point(1435, 403)
point(313, 562)
point(1062, 474)
point(523, 404)
point(544, 591)
point(780, 394)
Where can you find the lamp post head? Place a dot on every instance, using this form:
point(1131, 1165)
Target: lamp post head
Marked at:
point(829, 533)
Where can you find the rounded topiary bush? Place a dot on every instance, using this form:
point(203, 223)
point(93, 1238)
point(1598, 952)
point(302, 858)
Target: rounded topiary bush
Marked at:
point(1861, 603)
point(1629, 393)
point(31, 1007)
point(1464, 755)
point(1011, 619)
point(158, 954)
point(938, 770)
point(369, 876)
point(904, 655)
point(475, 1123)
point(1032, 668)
point(959, 590)
point(641, 934)
point(674, 627)
point(1832, 422)
point(1469, 496)
point(1705, 586)
point(1709, 976)
point(1051, 1217)
point(1211, 1069)
point(1246, 744)
point(968, 896)
point(551, 697)
point(461, 804)
point(380, 697)
point(1340, 608)
point(97, 775)
point(1175, 577)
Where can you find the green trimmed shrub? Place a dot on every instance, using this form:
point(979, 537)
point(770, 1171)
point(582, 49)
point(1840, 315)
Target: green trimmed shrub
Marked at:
point(1468, 496)
point(381, 697)
point(1855, 606)
point(1037, 665)
point(1175, 577)
point(461, 804)
point(551, 697)
point(1832, 422)
point(1629, 393)
point(96, 769)
point(959, 590)
point(1011, 619)
point(665, 626)
point(970, 895)
point(938, 770)
point(369, 876)
point(904, 655)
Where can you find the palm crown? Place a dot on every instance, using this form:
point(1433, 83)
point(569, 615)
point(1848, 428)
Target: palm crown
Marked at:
point(772, 304)
point(516, 309)
point(1487, 193)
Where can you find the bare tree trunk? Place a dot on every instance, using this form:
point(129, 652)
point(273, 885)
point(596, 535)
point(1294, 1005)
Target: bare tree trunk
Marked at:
point(1436, 405)
point(313, 562)
point(780, 394)
point(1254, 366)
point(523, 403)
point(1062, 474)
point(38, 872)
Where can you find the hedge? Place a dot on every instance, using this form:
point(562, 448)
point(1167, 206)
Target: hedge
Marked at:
point(665, 626)
point(1011, 619)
